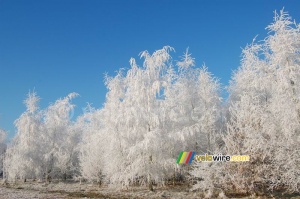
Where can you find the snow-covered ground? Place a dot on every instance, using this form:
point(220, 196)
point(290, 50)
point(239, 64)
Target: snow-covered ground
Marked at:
point(11, 193)
point(59, 190)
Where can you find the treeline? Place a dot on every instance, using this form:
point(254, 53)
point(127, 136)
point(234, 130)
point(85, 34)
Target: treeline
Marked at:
point(154, 111)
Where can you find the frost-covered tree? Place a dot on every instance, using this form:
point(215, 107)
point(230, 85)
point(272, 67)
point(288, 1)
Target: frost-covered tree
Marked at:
point(60, 139)
point(22, 159)
point(113, 116)
point(3, 135)
point(45, 143)
point(194, 107)
point(92, 146)
point(283, 53)
point(138, 129)
point(264, 112)
point(151, 113)
point(193, 103)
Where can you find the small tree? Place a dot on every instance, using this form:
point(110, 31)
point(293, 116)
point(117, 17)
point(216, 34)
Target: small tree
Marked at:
point(60, 139)
point(2, 149)
point(22, 159)
point(45, 142)
point(92, 146)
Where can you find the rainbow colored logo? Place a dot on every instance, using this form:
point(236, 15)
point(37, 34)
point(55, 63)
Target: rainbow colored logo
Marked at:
point(185, 157)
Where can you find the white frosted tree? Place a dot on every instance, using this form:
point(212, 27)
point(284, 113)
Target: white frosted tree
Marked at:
point(92, 146)
point(264, 112)
point(137, 125)
point(193, 109)
point(22, 159)
point(193, 103)
point(45, 143)
point(283, 53)
point(151, 114)
point(113, 116)
point(3, 135)
point(60, 139)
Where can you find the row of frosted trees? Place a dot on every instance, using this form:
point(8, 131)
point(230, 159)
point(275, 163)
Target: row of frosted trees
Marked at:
point(46, 142)
point(154, 111)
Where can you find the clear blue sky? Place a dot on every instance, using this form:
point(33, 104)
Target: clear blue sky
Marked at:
point(57, 47)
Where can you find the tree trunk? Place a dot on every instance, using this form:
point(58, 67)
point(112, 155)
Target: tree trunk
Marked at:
point(150, 186)
point(64, 177)
point(174, 177)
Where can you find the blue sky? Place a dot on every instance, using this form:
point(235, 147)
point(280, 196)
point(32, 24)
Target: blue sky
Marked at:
point(57, 47)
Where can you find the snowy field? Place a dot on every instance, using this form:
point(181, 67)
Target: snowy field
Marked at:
point(75, 190)
point(11, 193)
point(58, 190)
